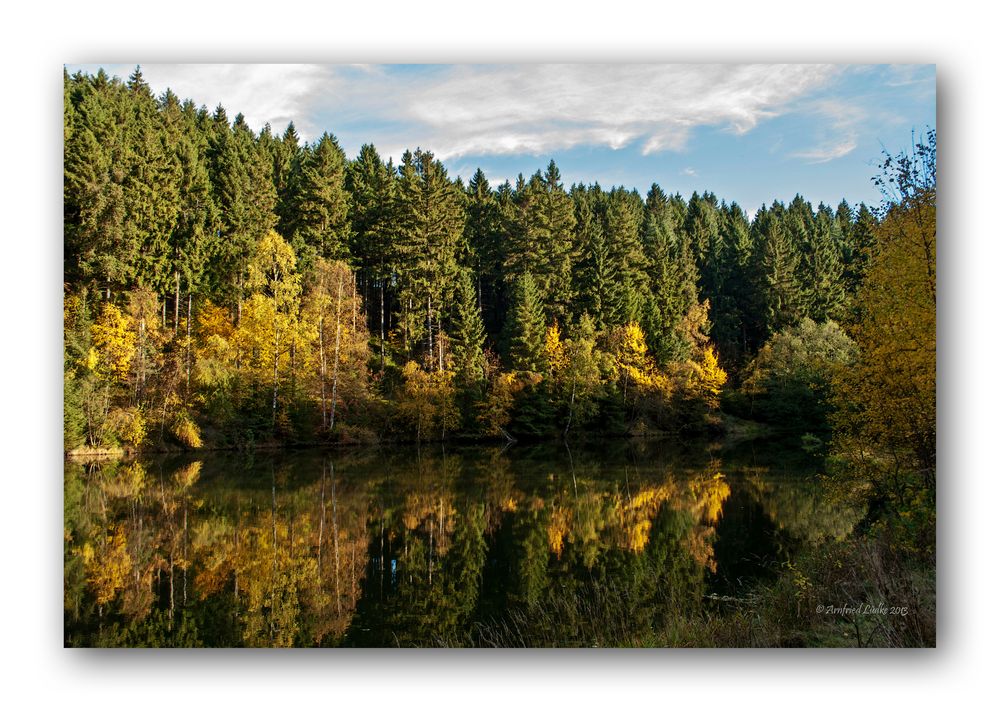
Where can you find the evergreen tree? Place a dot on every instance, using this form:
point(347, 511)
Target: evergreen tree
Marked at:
point(778, 262)
point(672, 276)
point(432, 223)
point(468, 333)
point(190, 241)
point(320, 224)
point(543, 243)
point(287, 159)
point(373, 192)
point(484, 237)
point(245, 196)
point(526, 326)
point(860, 241)
point(622, 221)
point(598, 277)
point(823, 281)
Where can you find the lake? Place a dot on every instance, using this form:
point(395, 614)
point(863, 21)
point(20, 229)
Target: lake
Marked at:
point(604, 544)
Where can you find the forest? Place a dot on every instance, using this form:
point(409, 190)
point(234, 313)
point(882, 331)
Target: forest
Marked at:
point(225, 288)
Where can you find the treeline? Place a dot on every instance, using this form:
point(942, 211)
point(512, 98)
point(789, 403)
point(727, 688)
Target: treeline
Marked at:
point(245, 287)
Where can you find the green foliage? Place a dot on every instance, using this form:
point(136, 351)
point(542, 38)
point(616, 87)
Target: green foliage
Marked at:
point(467, 342)
point(526, 326)
point(319, 207)
point(789, 383)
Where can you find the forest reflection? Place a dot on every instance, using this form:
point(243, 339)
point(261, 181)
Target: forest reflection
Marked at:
point(469, 546)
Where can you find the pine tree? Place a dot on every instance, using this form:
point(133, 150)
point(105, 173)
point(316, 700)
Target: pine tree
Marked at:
point(373, 189)
point(287, 159)
point(860, 239)
point(622, 221)
point(526, 327)
point(320, 223)
point(432, 223)
point(824, 291)
point(597, 282)
point(484, 237)
point(190, 241)
point(777, 279)
point(542, 244)
point(468, 333)
point(245, 196)
point(672, 276)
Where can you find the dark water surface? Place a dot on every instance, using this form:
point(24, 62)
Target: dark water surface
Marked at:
point(598, 545)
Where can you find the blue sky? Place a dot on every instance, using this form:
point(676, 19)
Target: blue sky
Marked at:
point(749, 133)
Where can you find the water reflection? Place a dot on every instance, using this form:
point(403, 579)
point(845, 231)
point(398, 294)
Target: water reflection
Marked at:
point(474, 546)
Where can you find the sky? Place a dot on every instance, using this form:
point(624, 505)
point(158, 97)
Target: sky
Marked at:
point(751, 134)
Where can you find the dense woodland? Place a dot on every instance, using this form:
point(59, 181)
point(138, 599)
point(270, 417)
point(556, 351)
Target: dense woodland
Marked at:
point(231, 288)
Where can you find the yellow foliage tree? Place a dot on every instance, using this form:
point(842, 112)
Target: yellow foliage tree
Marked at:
point(495, 414)
point(273, 276)
point(888, 397)
point(114, 342)
point(428, 401)
point(709, 378)
point(631, 357)
point(555, 354)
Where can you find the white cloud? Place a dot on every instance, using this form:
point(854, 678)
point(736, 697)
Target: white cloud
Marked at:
point(541, 108)
point(690, 172)
point(826, 153)
point(837, 132)
point(478, 109)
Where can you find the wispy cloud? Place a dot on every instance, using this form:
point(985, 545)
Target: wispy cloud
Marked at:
point(690, 172)
point(837, 129)
point(541, 108)
point(827, 153)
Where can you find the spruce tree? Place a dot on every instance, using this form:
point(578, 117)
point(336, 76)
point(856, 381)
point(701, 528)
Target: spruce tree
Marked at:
point(286, 156)
point(622, 222)
point(542, 244)
point(526, 326)
point(244, 193)
point(372, 186)
point(320, 226)
point(431, 222)
point(778, 270)
point(467, 333)
point(484, 237)
point(672, 277)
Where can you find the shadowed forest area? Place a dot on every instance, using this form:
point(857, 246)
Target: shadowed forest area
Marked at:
point(226, 289)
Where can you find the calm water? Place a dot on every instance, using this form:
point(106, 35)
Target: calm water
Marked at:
point(436, 546)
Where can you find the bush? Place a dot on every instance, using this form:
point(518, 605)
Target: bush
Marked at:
point(788, 384)
point(186, 431)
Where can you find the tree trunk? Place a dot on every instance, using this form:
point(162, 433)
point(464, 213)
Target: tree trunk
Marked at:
point(336, 354)
point(381, 326)
point(187, 391)
point(322, 371)
point(430, 332)
point(274, 397)
point(177, 299)
point(572, 400)
point(184, 574)
point(440, 345)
